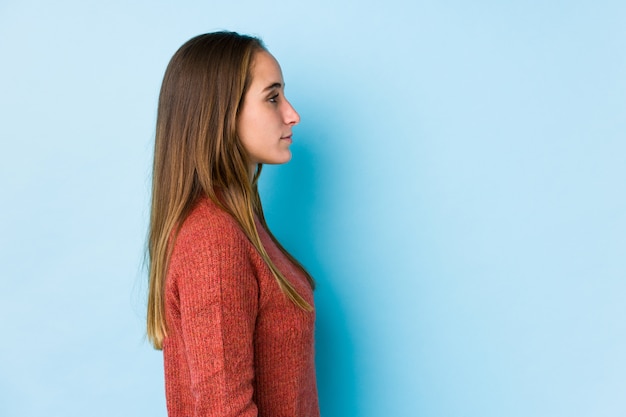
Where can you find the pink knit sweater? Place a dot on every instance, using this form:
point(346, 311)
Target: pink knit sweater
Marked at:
point(236, 345)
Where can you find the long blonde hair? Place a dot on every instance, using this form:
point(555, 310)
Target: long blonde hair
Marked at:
point(197, 152)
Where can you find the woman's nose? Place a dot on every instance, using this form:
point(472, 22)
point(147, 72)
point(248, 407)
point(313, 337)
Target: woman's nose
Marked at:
point(291, 115)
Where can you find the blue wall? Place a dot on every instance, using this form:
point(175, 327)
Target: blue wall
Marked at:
point(457, 189)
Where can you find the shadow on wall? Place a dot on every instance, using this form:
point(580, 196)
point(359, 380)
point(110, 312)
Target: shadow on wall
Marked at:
point(299, 209)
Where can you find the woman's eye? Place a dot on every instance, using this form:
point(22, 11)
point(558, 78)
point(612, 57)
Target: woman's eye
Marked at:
point(273, 98)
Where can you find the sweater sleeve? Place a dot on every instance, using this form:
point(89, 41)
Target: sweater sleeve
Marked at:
point(218, 295)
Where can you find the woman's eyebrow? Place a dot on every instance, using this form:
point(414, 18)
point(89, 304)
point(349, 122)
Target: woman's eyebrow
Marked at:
point(273, 86)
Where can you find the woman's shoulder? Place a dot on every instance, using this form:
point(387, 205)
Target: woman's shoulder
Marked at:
point(208, 223)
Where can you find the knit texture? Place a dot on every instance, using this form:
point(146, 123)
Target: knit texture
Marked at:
point(236, 345)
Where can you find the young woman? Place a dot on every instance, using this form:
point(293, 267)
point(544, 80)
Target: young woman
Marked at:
point(230, 307)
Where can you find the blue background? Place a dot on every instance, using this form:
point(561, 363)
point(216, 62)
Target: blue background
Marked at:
point(457, 189)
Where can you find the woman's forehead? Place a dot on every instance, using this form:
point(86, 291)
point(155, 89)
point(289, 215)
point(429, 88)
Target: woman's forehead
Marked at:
point(266, 71)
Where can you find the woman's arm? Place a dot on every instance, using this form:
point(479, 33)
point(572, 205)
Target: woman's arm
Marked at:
point(218, 301)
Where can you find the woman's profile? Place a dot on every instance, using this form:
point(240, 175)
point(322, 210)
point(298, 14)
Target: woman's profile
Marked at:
point(231, 309)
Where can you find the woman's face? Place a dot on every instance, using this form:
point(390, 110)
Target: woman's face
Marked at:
point(266, 117)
